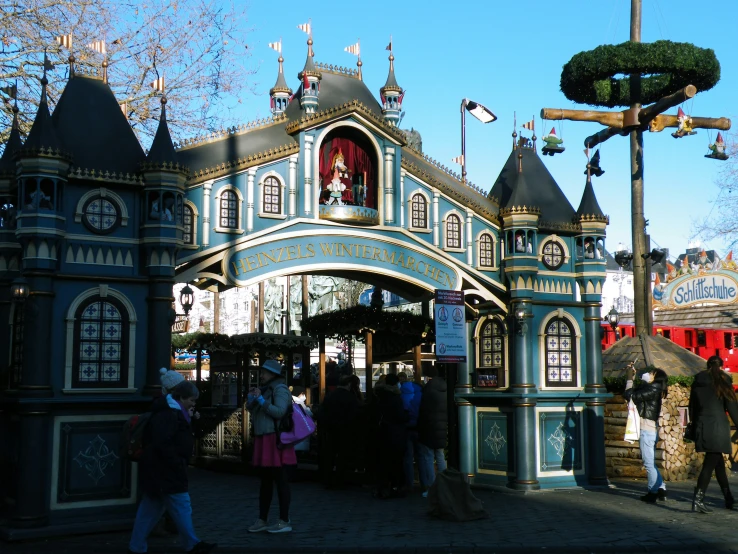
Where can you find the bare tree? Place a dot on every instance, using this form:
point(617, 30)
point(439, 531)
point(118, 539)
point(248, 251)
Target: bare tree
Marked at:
point(198, 46)
point(722, 221)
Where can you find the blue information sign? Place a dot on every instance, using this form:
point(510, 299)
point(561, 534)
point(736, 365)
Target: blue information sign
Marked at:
point(450, 326)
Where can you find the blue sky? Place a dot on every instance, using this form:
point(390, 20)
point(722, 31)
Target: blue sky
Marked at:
point(508, 56)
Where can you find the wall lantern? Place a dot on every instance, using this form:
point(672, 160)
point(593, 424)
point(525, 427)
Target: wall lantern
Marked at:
point(187, 298)
point(19, 290)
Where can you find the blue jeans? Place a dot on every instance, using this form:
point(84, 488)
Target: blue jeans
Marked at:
point(426, 457)
point(149, 513)
point(411, 454)
point(648, 455)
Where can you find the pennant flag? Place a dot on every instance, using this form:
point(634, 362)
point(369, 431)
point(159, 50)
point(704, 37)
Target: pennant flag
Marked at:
point(10, 90)
point(354, 49)
point(272, 102)
point(306, 28)
point(530, 126)
point(276, 46)
point(48, 66)
point(729, 257)
point(382, 97)
point(399, 100)
point(305, 81)
point(158, 85)
point(65, 40)
point(458, 159)
point(98, 46)
point(389, 46)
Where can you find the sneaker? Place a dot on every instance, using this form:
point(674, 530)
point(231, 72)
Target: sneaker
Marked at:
point(661, 495)
point(281, 527)
point(650, 498)
point(258, 526)
point(203, 547)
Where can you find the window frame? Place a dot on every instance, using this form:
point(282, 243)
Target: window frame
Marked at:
point(195, 219)
point(493, 251)
point(93, 229)
point(410, 209)
point(557, 243)
point(282, 187)
point(576, 383)
point(500, 372)
point(110, 196)
point(238, 230)
point(446, 247)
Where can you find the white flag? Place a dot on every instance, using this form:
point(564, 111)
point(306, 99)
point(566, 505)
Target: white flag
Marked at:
point(276, 46)
point(305, 28)
point(98, 46)
point(65, 40)
point(458, 160)
point(354, 49)
point(158, 85)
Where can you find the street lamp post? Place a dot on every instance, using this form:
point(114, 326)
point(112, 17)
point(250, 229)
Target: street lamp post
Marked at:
point(482, 114)
point(613, 318)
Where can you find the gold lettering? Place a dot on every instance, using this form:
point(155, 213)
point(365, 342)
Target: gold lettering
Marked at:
point(401, 260)
point(364, 250)
point(449, 282)
point(281, 251)
point(410, 263)
point(291, 253)
point(235, 265)
point(387, 257)
point(418, 266)
point(428, 268)
point(311, 250)
point(346, 249)
point(376, 255)
point(272, 258)
point(327, 249)
point(249, 262)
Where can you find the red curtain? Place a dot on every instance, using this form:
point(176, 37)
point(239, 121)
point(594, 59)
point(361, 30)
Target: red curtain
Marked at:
point(356, 159)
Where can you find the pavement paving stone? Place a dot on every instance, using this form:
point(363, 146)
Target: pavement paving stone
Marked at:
point(599, 520)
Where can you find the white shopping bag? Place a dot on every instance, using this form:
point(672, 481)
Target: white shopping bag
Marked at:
point(633, 425)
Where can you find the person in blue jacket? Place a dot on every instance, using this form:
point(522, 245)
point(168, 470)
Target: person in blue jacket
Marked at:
point(411, 395)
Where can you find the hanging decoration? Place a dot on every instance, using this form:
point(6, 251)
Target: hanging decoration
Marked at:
point(554, 145)
point(685, 125)
point(717, 149)
point(593, 165)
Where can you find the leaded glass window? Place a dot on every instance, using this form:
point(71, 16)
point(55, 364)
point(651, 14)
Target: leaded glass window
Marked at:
point(453, 231)
point(101, 215)
point(189, 219)
point(272, 196)
point(553, 255)
point(561, 368)
point(491, 355)
point(101, 341)
point(419, 208)
point(229, 210)
point(486, 252)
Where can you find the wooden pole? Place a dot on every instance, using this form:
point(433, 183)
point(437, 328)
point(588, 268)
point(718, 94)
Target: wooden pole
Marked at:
point(369, 357)
point(649, 112)
point(216, 312)
point(417, 364)
point(601, 136)
point(261, 306)
point(321, 369)
point(198, 368)
point(661, 121)
point(611, 119)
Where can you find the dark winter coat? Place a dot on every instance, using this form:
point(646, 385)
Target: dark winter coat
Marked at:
point(411, 393)
point(393, 418)
point(433, 414)
point(168, 444)
point(707, 412)
point(338, 411)
point(647, 398)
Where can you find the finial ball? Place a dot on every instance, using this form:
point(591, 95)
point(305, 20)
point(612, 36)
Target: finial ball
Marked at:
point(310, 42)
point(392, 57)
point(163, 100)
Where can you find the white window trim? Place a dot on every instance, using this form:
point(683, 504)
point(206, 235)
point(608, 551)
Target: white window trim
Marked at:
point(102, 291)
point(409, 207)
point(542, 350)
point(195, 219)
point(505, 350)
point(282, 188)
point(461, 230)
point(477, 246)
point(108, 194)
point(241, 214)
point(561, 242)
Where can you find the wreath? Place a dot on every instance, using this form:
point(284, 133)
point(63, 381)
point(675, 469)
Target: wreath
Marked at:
point(589, 77)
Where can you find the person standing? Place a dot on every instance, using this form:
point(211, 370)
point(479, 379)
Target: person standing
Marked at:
point(338, 432)
point(647, 397)
point(391, 437)
point(168, 444)
point(268, 404)
point(412, 394)
point(711, 396)
point(432, 429)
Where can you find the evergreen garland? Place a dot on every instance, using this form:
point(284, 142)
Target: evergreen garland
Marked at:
point(665, 67)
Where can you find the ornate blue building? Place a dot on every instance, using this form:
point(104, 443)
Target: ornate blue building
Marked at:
point(101, 230)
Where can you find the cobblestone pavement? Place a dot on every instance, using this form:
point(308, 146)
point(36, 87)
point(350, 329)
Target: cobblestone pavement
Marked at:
point(351, 521)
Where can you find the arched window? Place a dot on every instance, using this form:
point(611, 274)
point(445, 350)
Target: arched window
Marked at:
point(272, 197)
point(560, 354)
point(228, 210)
point(419, 211)
point(491, 355)
point(486, 251)
point(101, 338)
point(453, 231)
point(188, 222)
point(100, 215)
point(553, 255)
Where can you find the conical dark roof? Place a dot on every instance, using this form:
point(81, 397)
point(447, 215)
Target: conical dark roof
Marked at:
point(391, 84)
point(42, 134)
point(7, 161)
point(94, 129)
point(538, 188)
point(589, 206)
point(162, 149)
point(281, 84)
point(309, 68)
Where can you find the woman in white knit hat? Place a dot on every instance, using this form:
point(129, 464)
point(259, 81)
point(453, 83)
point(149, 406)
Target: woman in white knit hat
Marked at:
point(169, 380)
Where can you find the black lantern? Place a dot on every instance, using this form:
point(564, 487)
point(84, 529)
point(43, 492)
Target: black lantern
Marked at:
point(520, 315)
point(657, 255)
point(623, 258)
point(187, 298)
point(613, 318)
point(19, 290)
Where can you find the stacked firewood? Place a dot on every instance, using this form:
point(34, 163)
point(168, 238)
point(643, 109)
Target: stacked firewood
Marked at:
point(675, 458)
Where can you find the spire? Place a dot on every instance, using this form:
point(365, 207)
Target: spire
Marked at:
point(280, 93)
point(7, 163)
point(310, 78)
point(42, 134)
point(588, 207)
point(162, 149)
point(391, 84)
point(391, 93)
point(281, 84)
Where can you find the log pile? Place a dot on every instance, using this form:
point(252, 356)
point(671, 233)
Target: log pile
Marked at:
point(676, 459)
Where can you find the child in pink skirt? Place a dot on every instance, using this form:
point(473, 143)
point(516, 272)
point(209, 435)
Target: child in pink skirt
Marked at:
point(268, 404)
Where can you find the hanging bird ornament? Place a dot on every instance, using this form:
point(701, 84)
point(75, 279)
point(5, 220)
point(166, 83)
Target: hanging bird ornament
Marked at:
point(554, 145)
point(594, 165)
point(685, 125)
point(717, 149)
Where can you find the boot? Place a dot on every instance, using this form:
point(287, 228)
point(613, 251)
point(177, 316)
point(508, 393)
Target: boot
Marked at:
point(650, 497)
point(661, 495)
point(728, 497)
point(698, 502)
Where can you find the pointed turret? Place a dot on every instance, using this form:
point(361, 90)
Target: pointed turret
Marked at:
point(162, 149)
point(280, 93)
point(310, 77)
point(589, 208)
point(391, 94)
point(42, 134)
point(7, 161)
